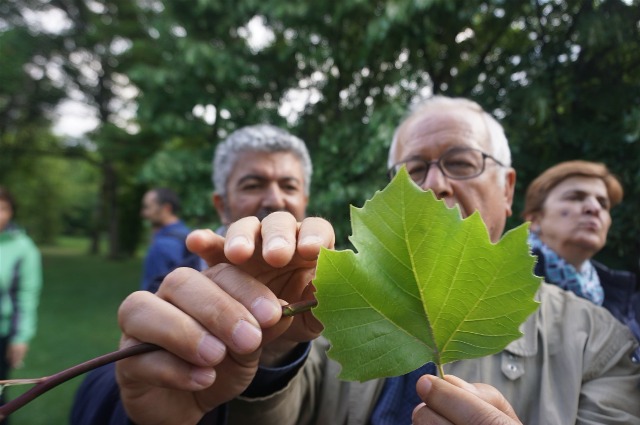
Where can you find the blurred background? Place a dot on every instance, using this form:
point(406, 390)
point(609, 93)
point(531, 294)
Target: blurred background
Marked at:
point(102, 99)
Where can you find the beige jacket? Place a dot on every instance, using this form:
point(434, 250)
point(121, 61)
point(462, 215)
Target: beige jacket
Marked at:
point(573, 365)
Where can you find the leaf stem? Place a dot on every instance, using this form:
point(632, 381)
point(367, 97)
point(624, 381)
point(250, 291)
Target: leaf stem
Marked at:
point(440, 371)
point(46, 383)
point(299, 307)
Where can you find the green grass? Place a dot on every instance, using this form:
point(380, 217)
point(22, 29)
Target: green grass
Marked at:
point(77, 321)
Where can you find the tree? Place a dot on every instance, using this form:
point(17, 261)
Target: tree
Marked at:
point(360, 64)
point(562, 76)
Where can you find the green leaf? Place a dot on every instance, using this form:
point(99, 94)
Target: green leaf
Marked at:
point(425, 286)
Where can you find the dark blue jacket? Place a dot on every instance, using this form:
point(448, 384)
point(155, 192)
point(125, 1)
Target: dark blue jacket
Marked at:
point(166, 252)
point(621, 295)
point(97, 402)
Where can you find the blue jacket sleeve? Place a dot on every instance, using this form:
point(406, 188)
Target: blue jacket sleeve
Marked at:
point(97, 402)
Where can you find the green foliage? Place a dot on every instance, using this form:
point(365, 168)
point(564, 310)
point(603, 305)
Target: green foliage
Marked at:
point(424, 286)
point(52, 193)
point(188, 172)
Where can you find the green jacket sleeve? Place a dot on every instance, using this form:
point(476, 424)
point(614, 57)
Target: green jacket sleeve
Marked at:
point(28, 293)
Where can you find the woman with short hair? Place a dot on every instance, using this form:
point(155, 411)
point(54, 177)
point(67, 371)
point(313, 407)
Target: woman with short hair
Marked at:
point(569, 208)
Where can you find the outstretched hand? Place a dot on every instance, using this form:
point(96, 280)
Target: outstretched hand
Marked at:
point(217, 326)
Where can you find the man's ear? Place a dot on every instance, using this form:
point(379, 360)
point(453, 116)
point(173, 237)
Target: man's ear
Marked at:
point(219, 204)
point(509, 189)
point(167, 210)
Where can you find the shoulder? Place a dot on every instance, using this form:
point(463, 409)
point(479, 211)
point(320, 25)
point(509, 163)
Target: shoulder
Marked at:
point(570, 321)
point(561, 305)
point(614, 277)
point(20, 240)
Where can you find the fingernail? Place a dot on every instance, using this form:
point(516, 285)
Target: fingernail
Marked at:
point(311, 240)
point(264, 310)
point(211, 349)
point(203, 377)
point(239, 241)
point(246, 336)
point(277, 243)
point(424, 385)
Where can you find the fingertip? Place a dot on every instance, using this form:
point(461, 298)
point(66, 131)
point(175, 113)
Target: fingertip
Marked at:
point(239, 248)
point(241, 239)
point(246, 337)
point(203, 377)
point(266, 311)
point(424, 384)
point(315, 233)
point(415, 410)
point(199, 237)
point(211, 349)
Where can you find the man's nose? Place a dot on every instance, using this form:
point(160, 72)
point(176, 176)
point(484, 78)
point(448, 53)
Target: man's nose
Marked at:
point(437, 182)
point(273, 197)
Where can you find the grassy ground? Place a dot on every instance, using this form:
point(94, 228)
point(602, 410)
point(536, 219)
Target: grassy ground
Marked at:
point(77, 321)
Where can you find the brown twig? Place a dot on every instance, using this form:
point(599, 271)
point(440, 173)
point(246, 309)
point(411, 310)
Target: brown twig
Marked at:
point(44, 384)
point(299, 307)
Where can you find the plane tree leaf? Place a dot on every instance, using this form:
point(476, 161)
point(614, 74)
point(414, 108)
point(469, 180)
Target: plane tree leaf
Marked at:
point(424, 286)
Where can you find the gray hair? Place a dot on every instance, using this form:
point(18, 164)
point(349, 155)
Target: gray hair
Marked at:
point(497, 138)
point(260, 138)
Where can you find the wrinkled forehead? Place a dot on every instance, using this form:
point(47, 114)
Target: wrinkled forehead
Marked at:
point(434, 132)
point(272, 165)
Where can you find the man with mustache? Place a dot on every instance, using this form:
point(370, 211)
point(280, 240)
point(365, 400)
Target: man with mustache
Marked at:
point(258, 170)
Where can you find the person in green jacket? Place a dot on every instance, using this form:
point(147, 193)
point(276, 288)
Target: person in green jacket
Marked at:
point(20, 283)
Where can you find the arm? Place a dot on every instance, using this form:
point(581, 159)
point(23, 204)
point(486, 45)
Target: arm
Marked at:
point(219, 325)
point(27, 296)
point(611, 376)
point(163, 256)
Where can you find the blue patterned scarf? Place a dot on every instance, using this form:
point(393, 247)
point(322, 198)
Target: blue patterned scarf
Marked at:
point(584, 283)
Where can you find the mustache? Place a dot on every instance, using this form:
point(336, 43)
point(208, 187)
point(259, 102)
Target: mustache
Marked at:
point(263, 212)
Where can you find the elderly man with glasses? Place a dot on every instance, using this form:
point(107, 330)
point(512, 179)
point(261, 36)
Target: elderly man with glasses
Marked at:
point(232, 358)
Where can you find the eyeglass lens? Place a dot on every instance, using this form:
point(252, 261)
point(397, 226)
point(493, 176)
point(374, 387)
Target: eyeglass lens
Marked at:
point(456, 164)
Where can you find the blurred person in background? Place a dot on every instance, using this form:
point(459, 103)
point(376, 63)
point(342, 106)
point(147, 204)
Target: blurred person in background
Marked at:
point(569, 206)
point(20, 285)
point(160, 207)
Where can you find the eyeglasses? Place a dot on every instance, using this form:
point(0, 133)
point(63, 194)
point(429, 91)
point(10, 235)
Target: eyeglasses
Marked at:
point(457, 164)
